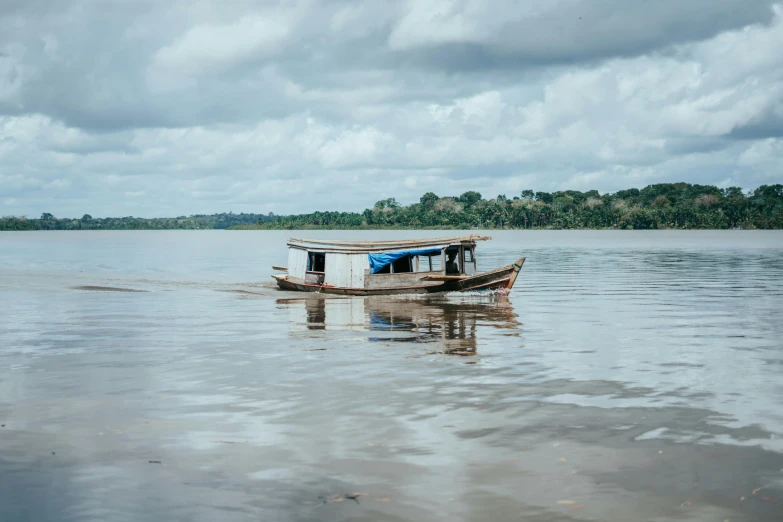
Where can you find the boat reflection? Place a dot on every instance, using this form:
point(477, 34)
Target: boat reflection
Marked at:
point(453, 326)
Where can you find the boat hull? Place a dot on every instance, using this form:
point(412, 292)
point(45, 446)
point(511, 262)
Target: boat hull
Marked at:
point(500, 280)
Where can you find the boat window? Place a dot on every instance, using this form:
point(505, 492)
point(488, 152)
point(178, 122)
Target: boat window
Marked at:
point(452, 261)
point(408, 264)
point(469, 255)
point(423, 263)
point(403, 265)
point(316, 262)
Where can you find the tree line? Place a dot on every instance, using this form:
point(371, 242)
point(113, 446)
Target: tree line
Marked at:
point(663, 205)
point(659, 206)
point(194, 222)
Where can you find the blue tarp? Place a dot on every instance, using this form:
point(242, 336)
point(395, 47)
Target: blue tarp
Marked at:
point(378, 261)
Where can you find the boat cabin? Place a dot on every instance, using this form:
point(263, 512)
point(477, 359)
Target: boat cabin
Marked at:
point(378, 264)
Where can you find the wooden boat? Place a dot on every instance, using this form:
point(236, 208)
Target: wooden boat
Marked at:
point(391, 267)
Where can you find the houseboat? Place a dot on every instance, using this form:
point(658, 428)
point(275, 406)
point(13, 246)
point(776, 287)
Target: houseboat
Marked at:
point(391, 267)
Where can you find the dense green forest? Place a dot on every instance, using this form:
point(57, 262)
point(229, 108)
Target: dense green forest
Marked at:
point(195, 222)
point(665, 205)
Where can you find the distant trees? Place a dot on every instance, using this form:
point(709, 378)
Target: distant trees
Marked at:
point(48, 221)
point(387, 203)
point(664, 205)
point(16, 223)
point(470, 198)
point(428, 199)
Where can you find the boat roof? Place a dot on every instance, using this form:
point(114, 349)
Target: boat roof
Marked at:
point(358, 247)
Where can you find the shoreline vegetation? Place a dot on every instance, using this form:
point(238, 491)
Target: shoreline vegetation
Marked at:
point(195, 222)
point(660, 206)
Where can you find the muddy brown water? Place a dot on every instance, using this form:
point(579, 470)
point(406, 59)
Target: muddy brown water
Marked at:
point(161, 376)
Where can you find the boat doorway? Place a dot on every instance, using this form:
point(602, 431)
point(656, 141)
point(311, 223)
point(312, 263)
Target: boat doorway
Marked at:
point(316, 268)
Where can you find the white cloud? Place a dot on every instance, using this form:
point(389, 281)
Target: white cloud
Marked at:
point(354, 147)
point(212, 49)
point(766, 156)
point(437, 21)
point(217, 46)
point(57, 184)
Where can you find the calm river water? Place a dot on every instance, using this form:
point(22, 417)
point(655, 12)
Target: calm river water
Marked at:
point(629, 376)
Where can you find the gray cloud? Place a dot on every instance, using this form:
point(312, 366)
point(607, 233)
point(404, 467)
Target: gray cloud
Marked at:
point(149, 108)
point(468, 35)
point(767, 124)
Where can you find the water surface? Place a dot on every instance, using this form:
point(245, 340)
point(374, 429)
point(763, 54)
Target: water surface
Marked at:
point(161, 376)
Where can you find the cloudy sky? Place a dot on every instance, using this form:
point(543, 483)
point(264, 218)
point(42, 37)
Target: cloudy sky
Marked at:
point(153, 108)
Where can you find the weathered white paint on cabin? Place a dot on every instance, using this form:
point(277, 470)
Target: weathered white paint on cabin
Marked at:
point(346, 270)
point(359, 263)
point(297, 262)
point(338, 270)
